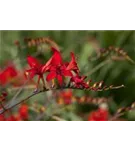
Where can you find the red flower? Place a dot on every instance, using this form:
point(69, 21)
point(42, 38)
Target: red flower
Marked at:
point(58, 72)
point(98, 115)
point(7, 75)
point(73, 64)
point(57, 68)
point(23, 112)
point(79, 81)
point(67, 96)
point(36, 69)
point(55, 60)
point(10, 75)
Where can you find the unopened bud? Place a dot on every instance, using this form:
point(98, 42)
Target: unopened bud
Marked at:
point(104, 106)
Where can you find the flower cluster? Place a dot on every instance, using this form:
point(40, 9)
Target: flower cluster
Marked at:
point(57, 69)
point(99, 115)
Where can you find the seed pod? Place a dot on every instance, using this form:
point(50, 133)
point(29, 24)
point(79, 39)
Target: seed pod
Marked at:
point(41, 40)
point(91, 100)
point(120, 52)
point(120, 110)
point(99, 86)
point(125, 109)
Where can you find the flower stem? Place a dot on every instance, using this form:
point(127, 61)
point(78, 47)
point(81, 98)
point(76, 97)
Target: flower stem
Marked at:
point(9, 106)
point(116, 116)
point(38, 82)
point(43, 82)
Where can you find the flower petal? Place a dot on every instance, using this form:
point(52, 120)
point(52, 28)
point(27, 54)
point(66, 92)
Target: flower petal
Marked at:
point(67, 73)
point(51, 76)
point(73, 64)
point(33, 62)
point(47, 66)
point(31, 72)
point(56, 58)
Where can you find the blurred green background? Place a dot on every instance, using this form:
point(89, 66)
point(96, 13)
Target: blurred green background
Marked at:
point(84, 45)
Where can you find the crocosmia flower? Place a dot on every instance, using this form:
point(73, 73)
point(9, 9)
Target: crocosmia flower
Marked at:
point(57, 69)
point(36, 68)
point(79, 81)
point(7, 75)
point(72, 66)
point(58, 72)
point(23, 112)
point(98, 115)
point(10, 75)
point(55, 60)
point(66, 96)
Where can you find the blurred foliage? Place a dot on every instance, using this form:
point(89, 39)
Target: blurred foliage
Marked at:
point(83, 43)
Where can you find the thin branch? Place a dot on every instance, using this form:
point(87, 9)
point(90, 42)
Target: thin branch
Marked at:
point(45, 90)
point(121, 111)
point(10, 107)
point(116, 116)
point(19, 91)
